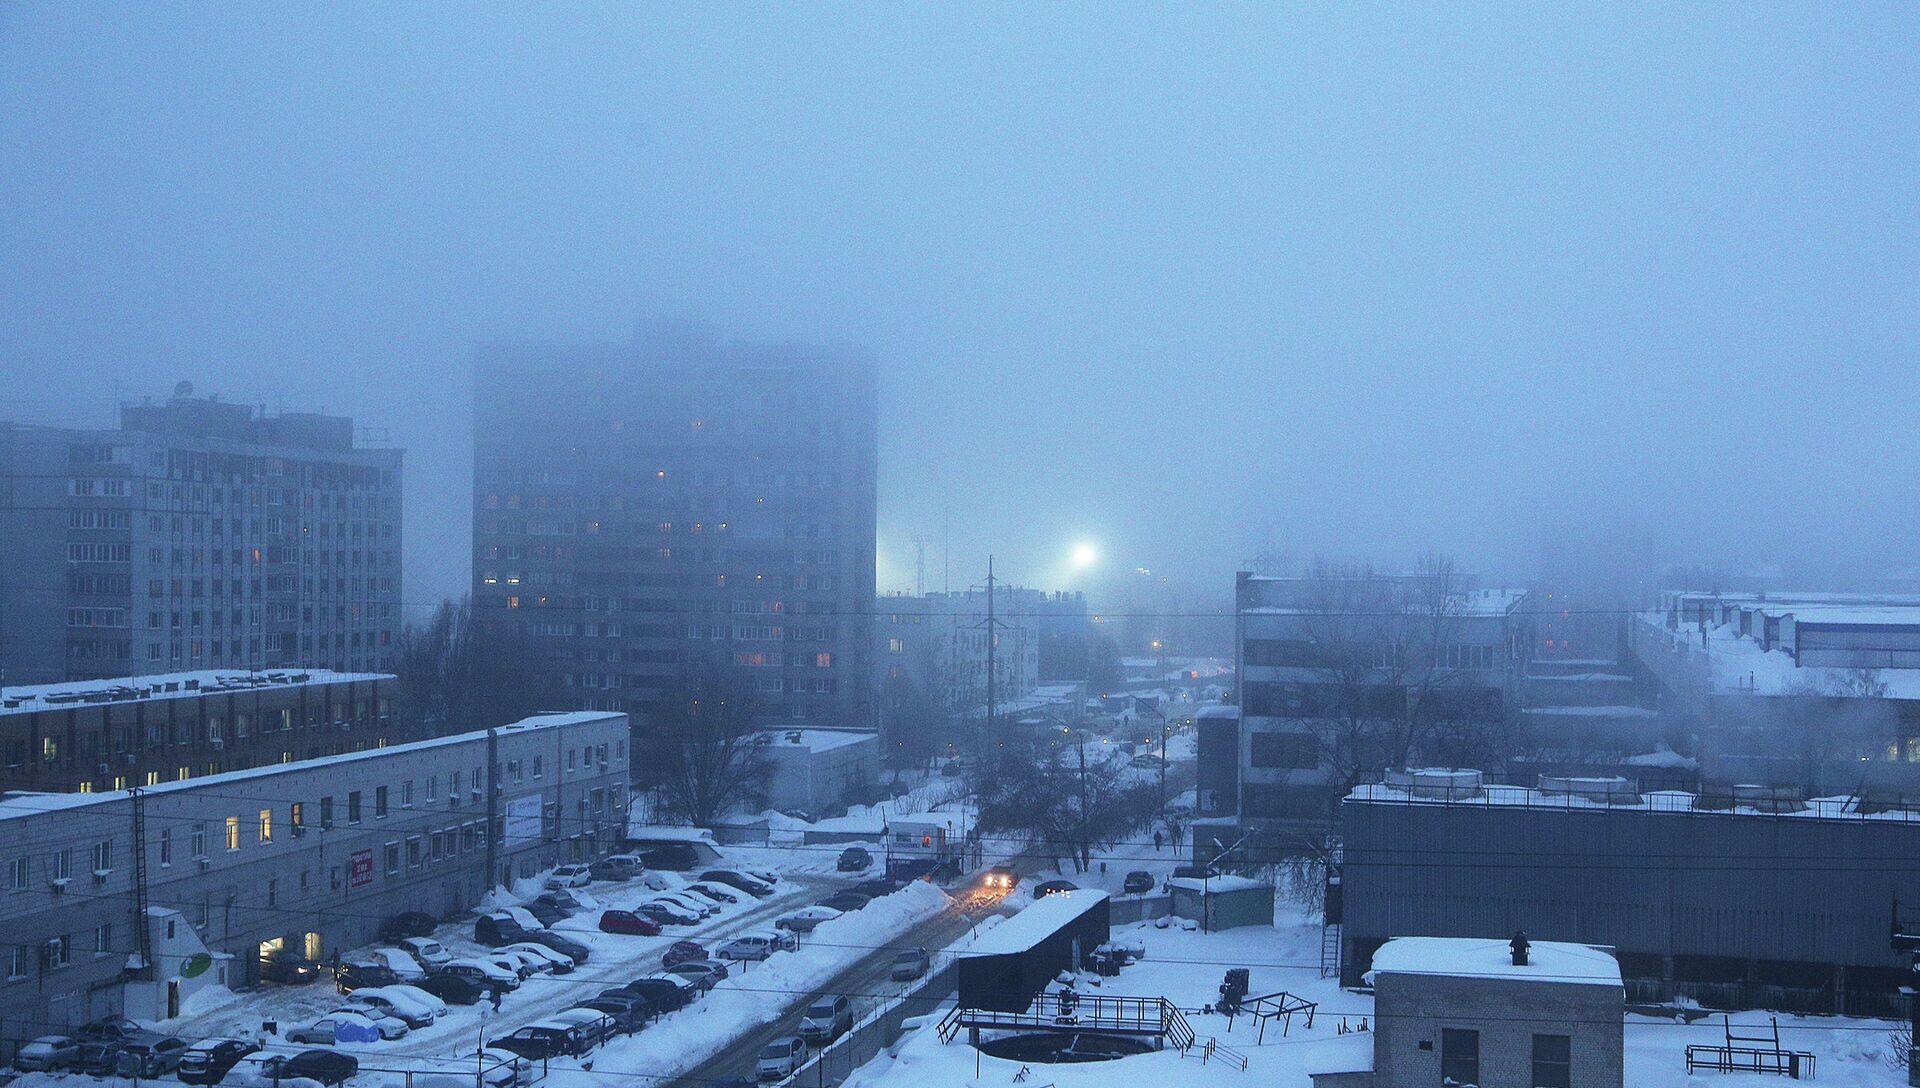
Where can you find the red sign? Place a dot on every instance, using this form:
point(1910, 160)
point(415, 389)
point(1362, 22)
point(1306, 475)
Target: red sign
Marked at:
point(360, 868)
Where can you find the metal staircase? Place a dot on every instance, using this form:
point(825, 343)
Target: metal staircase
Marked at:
point(1330, 950)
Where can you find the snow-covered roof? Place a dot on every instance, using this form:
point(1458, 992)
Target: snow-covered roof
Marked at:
point(28, 698)
point(817, 740)
point(1480, 957)
point(1226, 882)
point(1218, 710)
point(1741, 664)
point(27, 804)
point(1593, 711)
point(1040, 920)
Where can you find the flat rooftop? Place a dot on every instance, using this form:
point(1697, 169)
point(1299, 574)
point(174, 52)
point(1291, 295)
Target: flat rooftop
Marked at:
point(816, 740)
point(1672, 801)
point(1479, 957)
point(1041, 919)
point(30, 698)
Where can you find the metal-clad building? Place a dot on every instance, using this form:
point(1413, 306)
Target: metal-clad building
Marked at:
point(1017, 959)
point(1730, 908)
point(309, 855)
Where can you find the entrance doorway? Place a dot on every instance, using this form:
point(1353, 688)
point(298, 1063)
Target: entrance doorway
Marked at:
point(313, 947)
point(173, 998)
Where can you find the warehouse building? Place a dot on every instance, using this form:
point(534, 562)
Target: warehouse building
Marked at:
point(311, 855)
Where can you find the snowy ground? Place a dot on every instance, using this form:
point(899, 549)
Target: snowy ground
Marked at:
point(1187, 968)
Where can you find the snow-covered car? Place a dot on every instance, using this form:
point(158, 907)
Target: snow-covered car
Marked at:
point(719, 893)
point(348, 1026)
point(656, 882)
point(387, 1001)
point(522, 964)
point(804, 919)
point(485, 972)
point(427, 952)
point(696, 907)
point(780, 1058)
point(570, 876)
point(666, 913)
point(400, 962)
point(46, 1054)
point(262, 1070)
point(505, 1069)
point(558, 963)
point(746, 882)
point(431, 1002)
point(707, 904)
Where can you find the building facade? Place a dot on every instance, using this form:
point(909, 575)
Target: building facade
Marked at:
point(311, 855)
point(91, 735)
point(937, 643)
point(197, 534)
point(644, 509)
point(819, 771)
point(1335, 671)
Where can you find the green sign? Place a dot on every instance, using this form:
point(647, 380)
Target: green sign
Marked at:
point(196, 965)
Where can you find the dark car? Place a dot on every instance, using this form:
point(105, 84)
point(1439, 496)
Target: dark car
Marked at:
point(674, 857)
point(683, 952)
point(752, 885)
point(413, 923)
point(1001, 878)
point(608, 870)
point(566, 946)
point(108, 1028)
point(625, 921)
point(664, 994)
point(846, 901)
point(149, 1055)
point(208, 1060)
point(288, 967)
point(538, 1041)
point(494, 930)
point(452, 989)
point(1194, 872)
point(630, 1013)
point(325, 1066)
point(355, 975)
point(97, 1057)
point(854, 859)
point(548, 913)
point(659, 915)
point(1138, 882)
point(698, 972)
point(1054, 887)
point(874, 889)
point(559, 901)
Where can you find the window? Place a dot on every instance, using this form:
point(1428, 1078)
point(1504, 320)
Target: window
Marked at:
point(59, 951)
point(273, 893)
point(536, 766)
point(17, 870)
point(233, 832)
point(17, 962)
point(406, 794)
point(353, 807)
point(266, 825)
point(393, 858)
point(103, 855)
point(1552, 1061)
point(60, 864)
point(1459, 1056)
point(413, 852)
point(326, 812)
point(296, 815)
point(1285, 750)
point(199, 840)
point(103, 940)
point(433, 787)
point(379, 802)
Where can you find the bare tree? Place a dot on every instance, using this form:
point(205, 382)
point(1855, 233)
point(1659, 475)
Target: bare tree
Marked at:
point(457, 674)
point(702, 747)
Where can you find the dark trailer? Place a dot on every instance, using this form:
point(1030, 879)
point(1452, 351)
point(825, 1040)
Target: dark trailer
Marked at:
point(1020, 957)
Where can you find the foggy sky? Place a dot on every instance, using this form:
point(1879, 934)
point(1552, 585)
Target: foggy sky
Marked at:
point(1372, 282)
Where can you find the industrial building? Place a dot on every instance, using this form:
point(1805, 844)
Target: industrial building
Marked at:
point(818, 771)
point(125, 901)
point(643, 509)
point(1737, 900)
point(197, 534)
point(85, 736)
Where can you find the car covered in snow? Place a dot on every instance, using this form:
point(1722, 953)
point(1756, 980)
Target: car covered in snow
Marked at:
point(348, 1026)
point(47, 1054)
point(752, 885)
point(208, 1060)
point(558, 963)
point(395, 1002)
point(426, 951)
point(484, 972)
point(627, 922)
point(804, 919)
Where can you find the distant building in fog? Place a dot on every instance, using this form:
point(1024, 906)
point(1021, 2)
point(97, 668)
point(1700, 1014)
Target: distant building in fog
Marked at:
point(644, 508)
point(938, 644)
point(197, 534)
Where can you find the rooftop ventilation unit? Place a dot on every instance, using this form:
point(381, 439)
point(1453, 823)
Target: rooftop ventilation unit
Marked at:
point(1614, 790)
point(1438, 783)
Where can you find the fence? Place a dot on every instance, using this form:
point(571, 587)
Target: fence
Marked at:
point(874, 1032)
point(1138, 908)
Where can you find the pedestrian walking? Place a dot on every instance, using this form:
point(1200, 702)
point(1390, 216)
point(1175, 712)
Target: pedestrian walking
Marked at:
point(1156, 839)
point(495, 990)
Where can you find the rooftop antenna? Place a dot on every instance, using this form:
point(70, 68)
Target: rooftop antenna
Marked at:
point(920, 566)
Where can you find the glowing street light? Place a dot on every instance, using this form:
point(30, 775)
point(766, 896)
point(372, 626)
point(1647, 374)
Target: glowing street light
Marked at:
point(1084, 556)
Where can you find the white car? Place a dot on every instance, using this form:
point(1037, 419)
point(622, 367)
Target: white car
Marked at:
point(523, 918)
point(414, 993)
point(716, 892)
point(698, 907)
point(570, 876)
point(558, 963)
point(522, 965)
point(676, 911)
point(652, 881)
point(804, 919)
point(427, 951)
point(780, 1058)
point(352, 1025)
point(376, 1001)
point(400, 962)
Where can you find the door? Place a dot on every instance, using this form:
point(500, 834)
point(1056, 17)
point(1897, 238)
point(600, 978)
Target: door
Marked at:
point(173, 998)
point(313, 947)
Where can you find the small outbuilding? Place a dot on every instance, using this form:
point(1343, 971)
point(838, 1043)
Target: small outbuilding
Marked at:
point(1222, 902)
point(1020, 956)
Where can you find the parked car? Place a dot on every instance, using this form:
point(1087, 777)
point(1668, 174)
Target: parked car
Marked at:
point(504, 1069)
point(781, 1058)
point(287, 966)
point(804, 919)
point(845, 901)
point(1147, 762)
point(855, 859)
point(559, 900)
point(499, 928)
point(658, 882)
point(399, 962)
point(625, 921)
point(426, 951)
point(208, 1060)
point(910, 965)
point(343, 1026)
point(377, 1001)
point(765, 876)
point(149, 1055)
point(698, 973)
point(687, 986)
point(558, 963)
point(325, 1066)
point(594, 1026)
point(757, 946)
point(674, 857)
point(97, 1057)
point(523, 967)
point(570, 876)
point(108, 1028)
point(683, 952)
point(829, 1017)
point(609, 870)
point(484, 973)
point(1137, 882)
point(875, 889)
point(541, 1040)
point(413, 923)
point(664, 995)
point(713, 890)
point(1194, 872)
point(564, 945)
point(668, 912)
point(1054, 887)
point(752, 885)
point(690, 901)
point(629, 1012)
point(1001, 878)
point(452, 988)
point(950, 769)
point(386, 1025)
point(411, 991)
point(360, 973)
point(546, 914)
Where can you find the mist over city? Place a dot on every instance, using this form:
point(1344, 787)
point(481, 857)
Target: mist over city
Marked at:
point(845, 545)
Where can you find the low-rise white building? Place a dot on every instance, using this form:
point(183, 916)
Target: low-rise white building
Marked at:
point(813, 770)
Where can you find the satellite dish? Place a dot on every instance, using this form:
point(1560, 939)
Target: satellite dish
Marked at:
point(183, 389)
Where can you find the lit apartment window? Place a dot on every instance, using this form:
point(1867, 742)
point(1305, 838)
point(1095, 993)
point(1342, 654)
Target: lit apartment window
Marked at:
point(233, 832)
point(266, 825)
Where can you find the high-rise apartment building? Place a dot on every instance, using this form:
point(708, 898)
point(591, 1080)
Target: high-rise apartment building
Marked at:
point(676, 503)
point(198, 534)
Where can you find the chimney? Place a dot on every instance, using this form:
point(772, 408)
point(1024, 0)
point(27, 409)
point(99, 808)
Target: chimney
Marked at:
point(1519, 946)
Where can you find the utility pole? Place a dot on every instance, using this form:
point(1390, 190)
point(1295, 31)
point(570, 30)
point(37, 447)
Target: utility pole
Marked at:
point(993, 706)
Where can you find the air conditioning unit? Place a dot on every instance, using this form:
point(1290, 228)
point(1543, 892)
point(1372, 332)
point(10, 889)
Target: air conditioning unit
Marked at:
point(216, 743)
point(205, 862)
point(58, 886)
point(104, 767)
point(298, 830)
point(100, 875)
